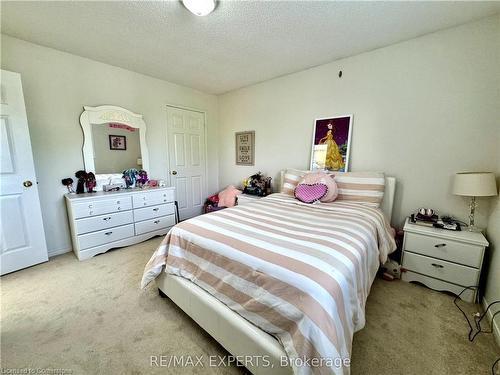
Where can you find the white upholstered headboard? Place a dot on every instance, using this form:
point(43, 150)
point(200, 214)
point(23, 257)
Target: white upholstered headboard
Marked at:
point(387, 202)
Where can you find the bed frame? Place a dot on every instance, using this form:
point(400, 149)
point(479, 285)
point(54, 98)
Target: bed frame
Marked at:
point(236, 334)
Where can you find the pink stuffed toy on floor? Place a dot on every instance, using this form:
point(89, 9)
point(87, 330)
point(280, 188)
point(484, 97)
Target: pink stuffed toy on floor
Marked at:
point(227, 197)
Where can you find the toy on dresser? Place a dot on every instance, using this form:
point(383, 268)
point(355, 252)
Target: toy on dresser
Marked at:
point(85, 180)
point(257, 184)
point(90, 182)
point(82, 177)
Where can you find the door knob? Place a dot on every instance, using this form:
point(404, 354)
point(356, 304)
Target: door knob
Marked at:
point(27, 183)
point(174, 172)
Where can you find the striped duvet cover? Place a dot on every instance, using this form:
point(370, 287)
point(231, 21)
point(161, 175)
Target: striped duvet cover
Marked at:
point(298, 271)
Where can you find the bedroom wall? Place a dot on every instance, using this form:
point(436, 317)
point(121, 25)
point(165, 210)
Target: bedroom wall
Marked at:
point(423, 110)
point(56, 87)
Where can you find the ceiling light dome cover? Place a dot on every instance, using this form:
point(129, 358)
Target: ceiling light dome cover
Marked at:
point(200, 7)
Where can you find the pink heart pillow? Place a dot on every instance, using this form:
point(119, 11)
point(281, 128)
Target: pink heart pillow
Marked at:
point(309, 193)
point(322, 178)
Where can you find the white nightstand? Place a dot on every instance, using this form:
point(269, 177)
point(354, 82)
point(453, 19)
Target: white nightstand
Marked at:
point(443, 260)
point(247, 198)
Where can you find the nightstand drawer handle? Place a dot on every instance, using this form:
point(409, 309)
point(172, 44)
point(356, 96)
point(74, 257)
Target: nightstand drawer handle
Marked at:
point(437, 265)
point(156, 209)
point(440, 245)
point(108, 233)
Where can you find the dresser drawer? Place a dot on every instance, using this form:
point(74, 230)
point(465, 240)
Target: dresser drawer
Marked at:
point(101, 206)
point(152, 198)
point(154, 211)
point(92, 224)
point(154, 224)
point(449, 250)
point(440, 269)
point(104, 236)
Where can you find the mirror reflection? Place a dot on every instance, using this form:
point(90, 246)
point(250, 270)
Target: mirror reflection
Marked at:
point(116, 148)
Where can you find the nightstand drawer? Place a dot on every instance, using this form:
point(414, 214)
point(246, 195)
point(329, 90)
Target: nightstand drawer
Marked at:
point(440, 269)
point(449, 250)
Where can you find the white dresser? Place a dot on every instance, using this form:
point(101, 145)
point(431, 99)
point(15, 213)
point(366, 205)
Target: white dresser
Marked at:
point(104, 220)
point(442, 259)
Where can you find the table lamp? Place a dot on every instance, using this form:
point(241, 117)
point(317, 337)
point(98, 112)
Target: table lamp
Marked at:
point(474, 184)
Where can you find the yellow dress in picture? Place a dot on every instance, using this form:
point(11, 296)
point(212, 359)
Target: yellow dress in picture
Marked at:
point(334, 159)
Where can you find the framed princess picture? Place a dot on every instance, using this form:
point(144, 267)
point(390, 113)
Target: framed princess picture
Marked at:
point(331, 143)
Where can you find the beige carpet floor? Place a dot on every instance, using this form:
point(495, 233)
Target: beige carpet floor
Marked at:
point(91, 318)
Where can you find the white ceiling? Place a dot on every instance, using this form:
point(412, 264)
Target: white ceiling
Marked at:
point(241, 43)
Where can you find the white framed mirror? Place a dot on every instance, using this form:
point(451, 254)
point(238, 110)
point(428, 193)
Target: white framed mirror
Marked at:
point(114, 139)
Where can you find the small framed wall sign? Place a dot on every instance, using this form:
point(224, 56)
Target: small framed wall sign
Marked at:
point(117, 142)
point(245, 148)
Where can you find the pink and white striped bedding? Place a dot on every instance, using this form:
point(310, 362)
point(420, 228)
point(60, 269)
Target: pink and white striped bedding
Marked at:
point(301, 272)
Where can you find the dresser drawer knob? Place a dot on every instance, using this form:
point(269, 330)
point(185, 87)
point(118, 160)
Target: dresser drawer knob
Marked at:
point(119, 208)
point(157, 221)
point(440, 245)
point(107, 218)
point(90, 206)
point(108, 233)
point(156, 209)
point(117, 202)
point(437, 265)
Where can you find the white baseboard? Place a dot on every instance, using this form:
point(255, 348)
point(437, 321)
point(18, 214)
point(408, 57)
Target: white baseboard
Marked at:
point(495, 325)
point(53, 253)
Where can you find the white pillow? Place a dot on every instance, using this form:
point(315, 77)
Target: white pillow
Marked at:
point(291, 179)
point(360, 187)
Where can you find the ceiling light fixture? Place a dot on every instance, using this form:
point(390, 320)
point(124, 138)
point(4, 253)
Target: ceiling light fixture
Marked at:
point(200, 7)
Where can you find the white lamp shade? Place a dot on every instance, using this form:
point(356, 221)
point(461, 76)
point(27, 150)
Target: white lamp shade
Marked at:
point(475, 184)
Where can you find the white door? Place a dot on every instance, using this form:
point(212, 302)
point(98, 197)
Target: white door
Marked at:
point(22, 238)
point(186, 149)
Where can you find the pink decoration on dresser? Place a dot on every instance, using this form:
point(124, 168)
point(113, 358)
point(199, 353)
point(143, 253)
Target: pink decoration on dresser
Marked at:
point(227, 197)
point(310, 193)
point(121, 126)
point(322, 178)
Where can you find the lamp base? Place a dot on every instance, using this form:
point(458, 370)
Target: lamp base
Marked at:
point(473, 228)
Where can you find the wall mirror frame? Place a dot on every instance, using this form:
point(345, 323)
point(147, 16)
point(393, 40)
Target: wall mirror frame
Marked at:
point(105, 114)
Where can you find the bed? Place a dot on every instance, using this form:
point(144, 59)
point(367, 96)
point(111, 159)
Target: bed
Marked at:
point(224, 271)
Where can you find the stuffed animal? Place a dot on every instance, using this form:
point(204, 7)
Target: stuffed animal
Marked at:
point(82, 177)
point(130, 177)
point(257, 184)
point(90, 182)
point(68, 182)
point(142, 178)
point(391, 270)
